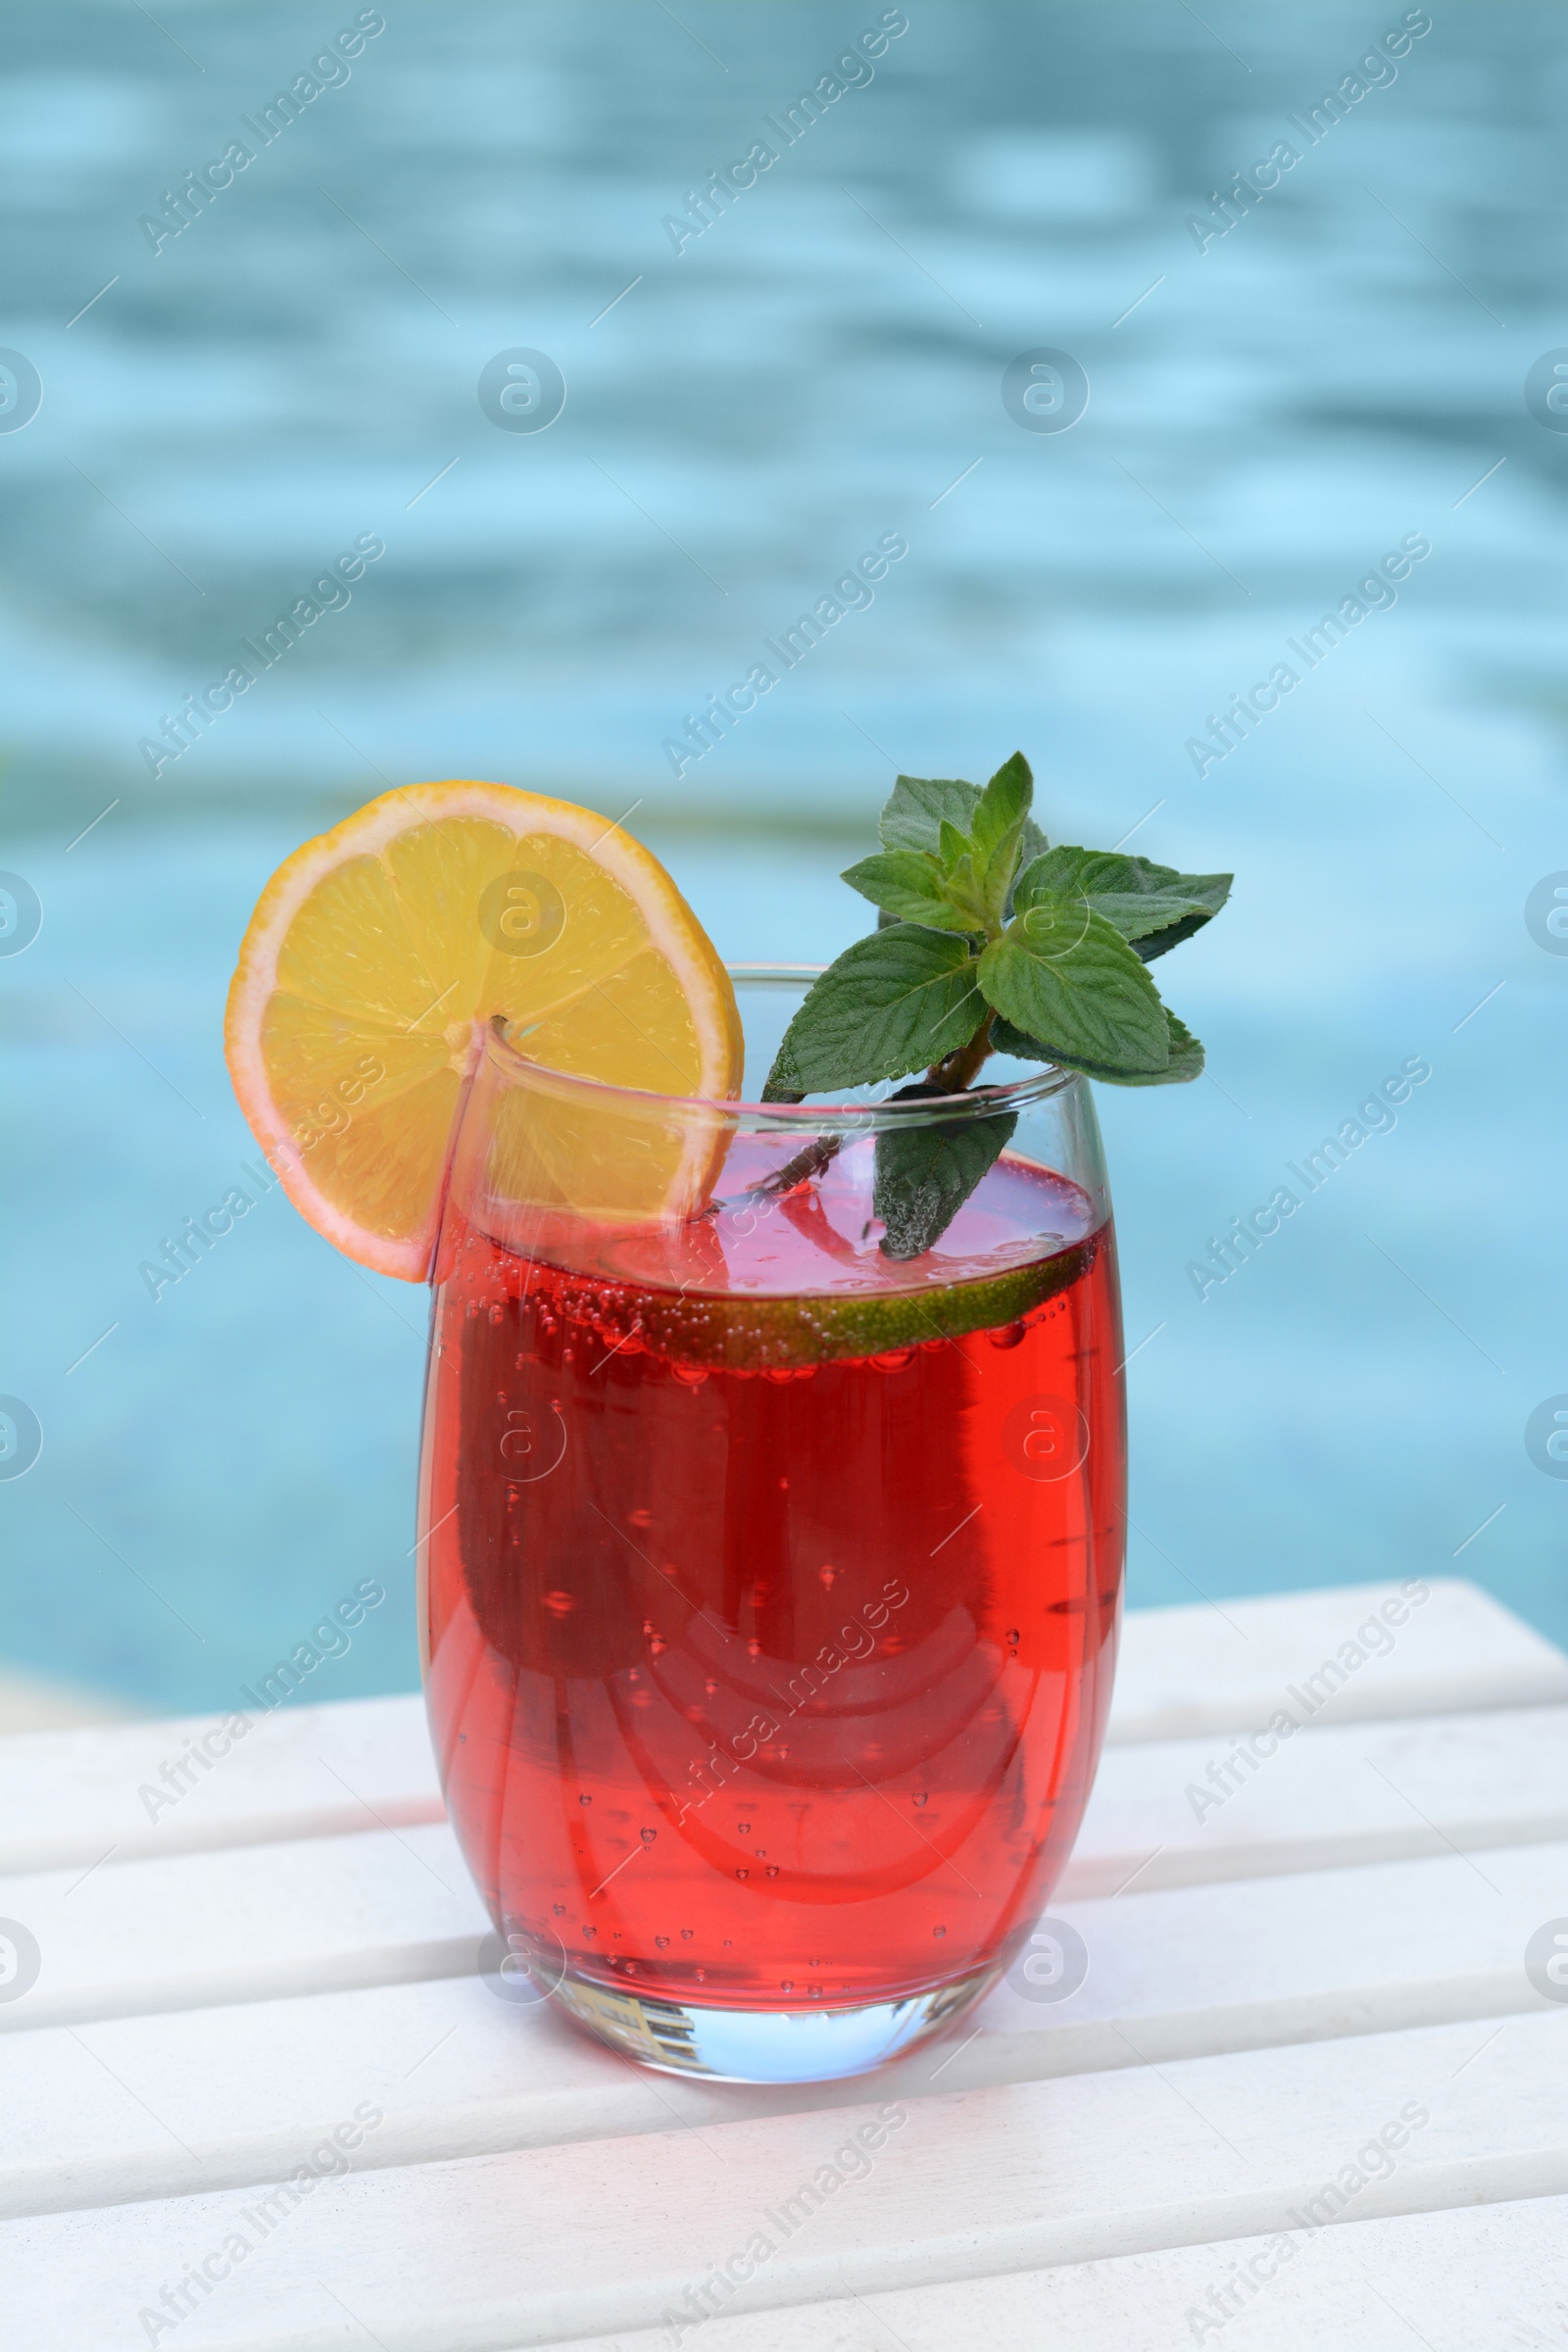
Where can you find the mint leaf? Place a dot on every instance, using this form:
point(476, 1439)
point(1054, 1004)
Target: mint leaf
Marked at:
point(1003, 805)
point(890, 1005)
point(911, 885)
point(1186, 1056)
point(960, 884)
point(1152, 905)
point(1064, 974)
point(917, 806)
point(784, 1080)
point(924, 1174)
point(913, 816)
point(997, 833)
point(953, 847)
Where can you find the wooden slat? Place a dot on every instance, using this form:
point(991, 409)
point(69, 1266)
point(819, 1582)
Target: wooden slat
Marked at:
point(244, 1923)
point(253, 1923)
point(165, 2105)
point(67, 1798)
point(521, 2249)
point(1227, 1666)
point(36, 1702)
point(1483, 2275)
point(1352, 1792)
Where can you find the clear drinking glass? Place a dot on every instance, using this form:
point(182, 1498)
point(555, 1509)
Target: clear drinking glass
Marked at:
point(771, 1583)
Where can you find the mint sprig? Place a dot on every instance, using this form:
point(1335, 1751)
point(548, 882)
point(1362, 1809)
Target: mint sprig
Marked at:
point(989, 940)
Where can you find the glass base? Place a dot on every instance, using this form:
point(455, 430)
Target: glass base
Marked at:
point(762, 2045)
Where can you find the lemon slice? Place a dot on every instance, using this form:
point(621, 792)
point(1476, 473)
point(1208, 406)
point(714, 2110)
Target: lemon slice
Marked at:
point(379, 952)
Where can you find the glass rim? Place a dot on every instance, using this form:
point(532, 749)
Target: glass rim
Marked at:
point(788, 1117)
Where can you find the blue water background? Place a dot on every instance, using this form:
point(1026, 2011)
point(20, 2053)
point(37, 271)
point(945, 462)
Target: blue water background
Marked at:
point(819, 367)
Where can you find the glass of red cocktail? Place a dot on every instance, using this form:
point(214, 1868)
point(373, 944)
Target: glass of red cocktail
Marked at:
point(770, 1582)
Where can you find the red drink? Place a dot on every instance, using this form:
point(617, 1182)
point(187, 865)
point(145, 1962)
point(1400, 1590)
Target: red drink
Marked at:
point(772, 1587)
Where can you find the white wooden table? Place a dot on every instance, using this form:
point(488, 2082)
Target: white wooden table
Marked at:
point(1306, 2095)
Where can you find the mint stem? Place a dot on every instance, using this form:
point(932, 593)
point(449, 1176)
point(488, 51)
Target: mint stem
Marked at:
point(958, 1070)
point(951, 1076)
point(817, 1155)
